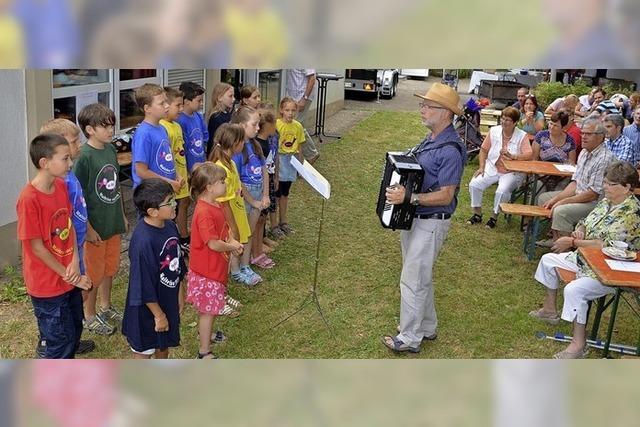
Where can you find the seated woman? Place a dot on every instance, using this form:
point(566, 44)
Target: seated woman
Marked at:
point(531, 120)
point(615, 217)
point(503, 142)
point(569, 103)
point(555, 145)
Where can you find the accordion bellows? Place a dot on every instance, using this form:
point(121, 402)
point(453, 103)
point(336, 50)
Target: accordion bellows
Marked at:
point(399, 169)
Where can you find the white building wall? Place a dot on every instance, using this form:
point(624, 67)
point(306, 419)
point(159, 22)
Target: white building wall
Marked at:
point(13, 137)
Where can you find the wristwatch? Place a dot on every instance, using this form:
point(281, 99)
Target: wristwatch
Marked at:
point(415, 201)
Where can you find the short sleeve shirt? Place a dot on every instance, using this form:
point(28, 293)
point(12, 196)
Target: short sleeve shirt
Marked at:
point(46, 217)
point(151, 146)
point(290, 135)
point(236, 202)
point(208, 223)
point(156, 268)
point(195, 136)
point(98, 173)
point(590, 168)
point(251, 170)
point(174, 131)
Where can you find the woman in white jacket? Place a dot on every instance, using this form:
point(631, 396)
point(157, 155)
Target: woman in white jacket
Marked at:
point(504, 142)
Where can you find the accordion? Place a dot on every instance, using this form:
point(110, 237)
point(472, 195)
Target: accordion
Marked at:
point(402, 169)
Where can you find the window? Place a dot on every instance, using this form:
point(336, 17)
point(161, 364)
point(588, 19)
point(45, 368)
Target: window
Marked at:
point(269, 83)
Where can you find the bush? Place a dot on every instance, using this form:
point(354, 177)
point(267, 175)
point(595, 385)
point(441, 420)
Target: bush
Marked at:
point(547, 92)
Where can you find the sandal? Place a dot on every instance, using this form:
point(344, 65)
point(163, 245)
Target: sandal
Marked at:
point(252, 275)
point(263, 261)
point(244, 279)
point(204, 356)
point(275, 233)
point(286, 228)
point(491, 223)
point(234, 303)
point(396, 345)
point(564, 354)
point(540, 314)
point(229, 311)
point(98, 326)
point(431, 337)
point(218, 337)
point(475, 219)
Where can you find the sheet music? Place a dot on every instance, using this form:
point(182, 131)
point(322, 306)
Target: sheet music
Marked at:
point(312, 176)
point(630, 266)
point(566, 168)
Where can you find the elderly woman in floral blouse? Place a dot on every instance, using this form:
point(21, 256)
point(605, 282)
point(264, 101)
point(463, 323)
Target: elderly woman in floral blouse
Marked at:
point(615, 217)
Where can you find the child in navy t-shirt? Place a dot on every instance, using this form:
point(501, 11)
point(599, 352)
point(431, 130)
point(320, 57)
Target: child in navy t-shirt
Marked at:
point(152, 314)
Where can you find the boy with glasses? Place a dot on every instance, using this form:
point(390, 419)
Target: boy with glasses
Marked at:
point(98, 172)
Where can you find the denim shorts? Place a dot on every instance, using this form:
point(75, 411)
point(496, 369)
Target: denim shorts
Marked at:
point(255, 190)
point(60, 323)
point(287, 172)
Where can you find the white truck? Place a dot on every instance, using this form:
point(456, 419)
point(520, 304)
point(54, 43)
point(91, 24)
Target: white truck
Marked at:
point(373, 81)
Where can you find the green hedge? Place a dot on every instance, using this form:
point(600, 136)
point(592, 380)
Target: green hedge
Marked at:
point(547, 92)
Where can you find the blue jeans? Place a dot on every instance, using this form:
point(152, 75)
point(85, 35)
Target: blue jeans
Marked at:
point(60, 323)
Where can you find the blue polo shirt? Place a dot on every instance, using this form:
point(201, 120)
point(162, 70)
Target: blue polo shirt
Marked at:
point(443, 165)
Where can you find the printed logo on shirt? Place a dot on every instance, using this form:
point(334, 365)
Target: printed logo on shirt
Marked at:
point(170, 263)
point(288, 139)
point(164, 158)
point(60, 230)
point(80, 209)
point(178, 157)
point(107, 184)
point(194, 143)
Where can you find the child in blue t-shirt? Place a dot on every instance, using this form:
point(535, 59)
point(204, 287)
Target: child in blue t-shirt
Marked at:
point(151, 151)
point(151, 320)
point(194, 130)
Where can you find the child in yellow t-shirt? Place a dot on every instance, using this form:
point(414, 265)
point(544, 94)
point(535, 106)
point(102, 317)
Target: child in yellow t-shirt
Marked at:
point(291, 136)
point(229, 140)
point(175, 100)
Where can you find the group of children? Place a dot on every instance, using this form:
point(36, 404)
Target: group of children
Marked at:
point(237, 170)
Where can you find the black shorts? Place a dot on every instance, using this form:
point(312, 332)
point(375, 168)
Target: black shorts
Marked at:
point(284, 188)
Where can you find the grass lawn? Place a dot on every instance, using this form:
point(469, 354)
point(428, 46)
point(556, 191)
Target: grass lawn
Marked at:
point(483, 284)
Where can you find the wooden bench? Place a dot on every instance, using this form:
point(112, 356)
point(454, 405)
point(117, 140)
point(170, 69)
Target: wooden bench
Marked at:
point(536, 213)
point(565, 276)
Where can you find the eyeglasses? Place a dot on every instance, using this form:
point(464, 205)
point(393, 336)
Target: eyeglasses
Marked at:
point(506, 120)
point(171, 202)
point(591, 133)
point(609, 183)
point(430, 107)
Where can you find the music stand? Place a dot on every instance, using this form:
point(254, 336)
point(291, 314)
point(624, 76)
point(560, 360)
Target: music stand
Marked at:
point(322, 186)
point(321, 104)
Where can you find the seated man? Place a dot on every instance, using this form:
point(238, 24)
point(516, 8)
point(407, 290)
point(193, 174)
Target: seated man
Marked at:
point(521, 95)
point(632, 132)
point(581, 195)
point(619, 145)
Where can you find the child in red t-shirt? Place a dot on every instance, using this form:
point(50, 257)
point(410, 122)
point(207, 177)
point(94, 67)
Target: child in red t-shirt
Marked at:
point(49, 250)
point(210, 244)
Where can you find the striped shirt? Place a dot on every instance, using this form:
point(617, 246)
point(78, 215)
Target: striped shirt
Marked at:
point(589, 173)
point(297, 82)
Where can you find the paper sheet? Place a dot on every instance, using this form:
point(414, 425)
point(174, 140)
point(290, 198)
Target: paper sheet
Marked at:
point(312, 176)
point(566, 168)
point(630, 266)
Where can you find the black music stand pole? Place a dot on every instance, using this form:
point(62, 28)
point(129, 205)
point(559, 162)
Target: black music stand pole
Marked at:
point(312, 296)
point(321, 104)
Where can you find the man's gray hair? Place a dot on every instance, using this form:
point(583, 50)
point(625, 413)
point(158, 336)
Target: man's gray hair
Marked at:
point(592, 121)
point(616, 119)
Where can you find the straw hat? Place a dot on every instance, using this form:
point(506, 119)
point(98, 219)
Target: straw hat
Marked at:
point(443, 95)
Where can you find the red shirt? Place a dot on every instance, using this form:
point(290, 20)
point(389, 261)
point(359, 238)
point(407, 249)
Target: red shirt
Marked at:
point(574, 132)
point(47, 217)
point(208, 223)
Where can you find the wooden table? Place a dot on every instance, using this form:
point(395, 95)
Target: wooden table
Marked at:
point(536, 168)
point(620, 280)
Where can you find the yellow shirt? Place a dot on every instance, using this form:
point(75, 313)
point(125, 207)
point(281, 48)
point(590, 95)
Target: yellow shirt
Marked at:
point(258, 38)
point(236, 202)
point(11, 43)
point(291, 136)
point(177, 148)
